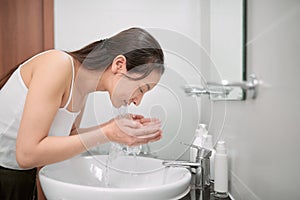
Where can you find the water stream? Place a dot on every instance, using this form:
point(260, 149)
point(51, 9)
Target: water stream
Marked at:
point(165, 175)
point(117, 150)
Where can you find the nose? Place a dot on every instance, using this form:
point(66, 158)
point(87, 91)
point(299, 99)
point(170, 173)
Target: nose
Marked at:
point(137, 100)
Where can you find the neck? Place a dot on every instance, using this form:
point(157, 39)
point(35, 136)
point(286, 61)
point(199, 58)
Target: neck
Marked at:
point(86, 81)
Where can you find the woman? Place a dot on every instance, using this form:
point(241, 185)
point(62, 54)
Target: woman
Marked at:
point(43, 100)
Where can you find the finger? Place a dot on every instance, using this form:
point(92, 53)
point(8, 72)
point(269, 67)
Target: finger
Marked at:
point(134, 141)
point(156, 138)
point(134, 116)
point(154, 119)
point(152, 138)
point(145, 120)
point(148, 122)
point(130, 123)
point(133, 127)
point(146, 130)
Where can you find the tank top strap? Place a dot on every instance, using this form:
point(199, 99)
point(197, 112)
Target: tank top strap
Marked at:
point(72, 82)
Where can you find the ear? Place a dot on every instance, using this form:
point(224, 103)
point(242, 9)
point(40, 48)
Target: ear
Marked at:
point(119, 64)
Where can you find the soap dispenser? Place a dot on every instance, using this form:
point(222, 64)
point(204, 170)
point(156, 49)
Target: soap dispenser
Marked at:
point(199, 132)
point(221, 171)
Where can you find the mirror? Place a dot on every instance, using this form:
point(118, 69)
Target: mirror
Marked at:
point(227, 47)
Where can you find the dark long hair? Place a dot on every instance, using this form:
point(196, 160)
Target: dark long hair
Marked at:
point(142, 52)
point(6, 76)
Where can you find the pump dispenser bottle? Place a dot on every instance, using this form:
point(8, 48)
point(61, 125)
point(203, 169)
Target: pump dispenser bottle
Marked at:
point(199, 132)
point(221, 171)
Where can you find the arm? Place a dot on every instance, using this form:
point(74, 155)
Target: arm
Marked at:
point(51, 76)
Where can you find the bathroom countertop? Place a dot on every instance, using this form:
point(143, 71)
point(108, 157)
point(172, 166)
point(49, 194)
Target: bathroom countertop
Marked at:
point(207, 193)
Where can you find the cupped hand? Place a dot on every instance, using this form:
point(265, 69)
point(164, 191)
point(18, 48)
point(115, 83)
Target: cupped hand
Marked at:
point(141, 119)
point(135, 131)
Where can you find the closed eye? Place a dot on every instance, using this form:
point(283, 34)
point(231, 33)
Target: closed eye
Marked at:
point(141, 90)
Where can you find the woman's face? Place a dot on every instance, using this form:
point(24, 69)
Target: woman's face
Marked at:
point(127, 91)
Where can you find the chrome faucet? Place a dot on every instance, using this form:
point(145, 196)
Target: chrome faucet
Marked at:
point(200, 169)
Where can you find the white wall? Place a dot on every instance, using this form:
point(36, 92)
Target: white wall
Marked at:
point(176, 25)
point(263, 135)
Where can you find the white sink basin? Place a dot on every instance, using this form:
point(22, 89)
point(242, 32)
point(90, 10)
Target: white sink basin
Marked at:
point(127, 178)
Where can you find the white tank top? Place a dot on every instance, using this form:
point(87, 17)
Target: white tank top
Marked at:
point(12, 100)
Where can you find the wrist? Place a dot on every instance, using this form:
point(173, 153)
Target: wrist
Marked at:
point(104, 132)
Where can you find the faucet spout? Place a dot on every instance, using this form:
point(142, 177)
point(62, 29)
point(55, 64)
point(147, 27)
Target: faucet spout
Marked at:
point(194, 167)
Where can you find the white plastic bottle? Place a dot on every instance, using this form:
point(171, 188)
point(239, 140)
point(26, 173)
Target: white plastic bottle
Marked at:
point(221, 171)
point(207, 142)
point(200, 131)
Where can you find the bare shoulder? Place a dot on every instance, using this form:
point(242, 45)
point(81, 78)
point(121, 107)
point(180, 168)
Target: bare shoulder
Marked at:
point(54, 60)
point(52, 69)
point(55, 64)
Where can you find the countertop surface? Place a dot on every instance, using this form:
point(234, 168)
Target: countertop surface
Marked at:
point(207, 194)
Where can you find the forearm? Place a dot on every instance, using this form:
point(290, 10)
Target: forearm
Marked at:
point(33, 153)
point(55, 149)
point(76, 131)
